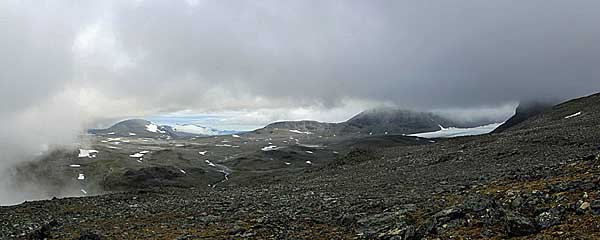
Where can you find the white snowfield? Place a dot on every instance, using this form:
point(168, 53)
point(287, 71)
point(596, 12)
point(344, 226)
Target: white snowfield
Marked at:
point(309, 162)
point(458, 132)
point(203, 153)
point(194, 129)
point(573, 115)
point(81, 177)
point(87, 153)
point(132, 134)
point(235, 136)
point(75, 165)
point(300, 132)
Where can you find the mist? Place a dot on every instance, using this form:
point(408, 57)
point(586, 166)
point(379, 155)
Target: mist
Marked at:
point(66, 66)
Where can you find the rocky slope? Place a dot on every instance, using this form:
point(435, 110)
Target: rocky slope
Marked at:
point(538, 180)
point(523, 112)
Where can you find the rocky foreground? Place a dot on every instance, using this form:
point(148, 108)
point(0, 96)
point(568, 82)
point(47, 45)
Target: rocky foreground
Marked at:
point(539, 179)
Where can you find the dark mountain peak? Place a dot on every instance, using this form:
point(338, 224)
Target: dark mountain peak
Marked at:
point(390, 115)
point(134, 127)
point(399, 121)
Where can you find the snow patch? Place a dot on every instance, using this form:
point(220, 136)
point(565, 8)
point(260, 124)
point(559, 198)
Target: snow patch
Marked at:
point(136, 155)
point(203, 153)
point(300, 132)
point(573, 115)
point(153, 128)
point(235, 136)
point(87, 153)
point(210, 163)
point(81, 177)
point(75, 165)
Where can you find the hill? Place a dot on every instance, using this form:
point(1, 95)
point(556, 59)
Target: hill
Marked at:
point(134, 127)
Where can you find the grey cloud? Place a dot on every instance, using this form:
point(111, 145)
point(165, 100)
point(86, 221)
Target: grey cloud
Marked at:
point(170, 55)
point(419, 54)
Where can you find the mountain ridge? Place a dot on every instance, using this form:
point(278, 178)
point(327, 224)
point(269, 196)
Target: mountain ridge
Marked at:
point(377, 121)
point(145, 128)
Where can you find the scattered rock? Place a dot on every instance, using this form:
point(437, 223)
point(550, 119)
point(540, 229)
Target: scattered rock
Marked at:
point(517, 225)
point(550, 218)
point(595, 205)
point(90, 236)
point(43, 232)
point(585, 206)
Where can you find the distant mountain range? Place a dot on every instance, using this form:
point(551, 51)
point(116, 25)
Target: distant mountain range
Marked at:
point(145, 128)
point(379, 121)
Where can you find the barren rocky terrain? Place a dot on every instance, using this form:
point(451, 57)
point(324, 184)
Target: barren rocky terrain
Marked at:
point(539, 179)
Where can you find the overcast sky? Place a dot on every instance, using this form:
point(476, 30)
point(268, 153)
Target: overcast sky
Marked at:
point(134, 58)
point(81, 62)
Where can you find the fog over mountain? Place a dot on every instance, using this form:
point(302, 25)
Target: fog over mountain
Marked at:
point(68, 65)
